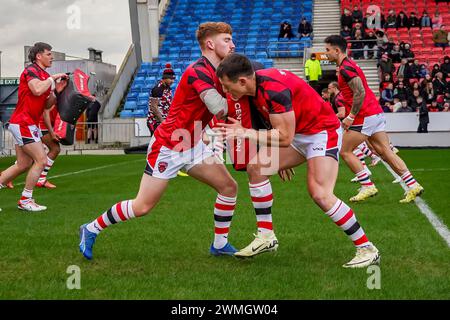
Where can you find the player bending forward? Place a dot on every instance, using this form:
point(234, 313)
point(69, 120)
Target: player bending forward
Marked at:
point(304, 129)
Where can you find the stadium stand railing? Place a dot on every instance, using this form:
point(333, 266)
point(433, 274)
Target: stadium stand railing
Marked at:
point(256, 25)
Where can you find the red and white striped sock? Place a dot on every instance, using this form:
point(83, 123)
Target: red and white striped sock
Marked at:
point(223, 214)
point(358, 153)
point(408, 179)
point(365, 150)
point(342, 215)
point(121, 211)
point(364, 179)
point(27, 195)
point(48, 166)
point(262, 199)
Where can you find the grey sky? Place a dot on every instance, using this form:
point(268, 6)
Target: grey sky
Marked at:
point(104, 25)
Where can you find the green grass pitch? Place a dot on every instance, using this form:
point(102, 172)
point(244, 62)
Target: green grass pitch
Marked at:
point(165, 254)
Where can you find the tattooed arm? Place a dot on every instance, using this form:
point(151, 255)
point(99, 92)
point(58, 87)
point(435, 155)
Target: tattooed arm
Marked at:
point(359, 93)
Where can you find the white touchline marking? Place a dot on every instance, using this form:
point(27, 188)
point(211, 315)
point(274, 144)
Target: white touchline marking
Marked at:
point(84, 171)
point(430, 169)
point(435, 221)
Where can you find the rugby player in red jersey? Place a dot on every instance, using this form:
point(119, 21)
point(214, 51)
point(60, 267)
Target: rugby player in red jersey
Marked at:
point(177, 144)
point(303, 129)
point(36, 93)
point(364, 121)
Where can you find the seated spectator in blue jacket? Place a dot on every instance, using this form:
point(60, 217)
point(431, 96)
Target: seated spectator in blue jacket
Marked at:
point(423, 71)
point(388, 93)
point(304, 28)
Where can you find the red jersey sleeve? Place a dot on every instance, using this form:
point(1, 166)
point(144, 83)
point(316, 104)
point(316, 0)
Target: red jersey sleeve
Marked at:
point(348, 72)
point(31, 73)
point(201, 78)
point(279, 101)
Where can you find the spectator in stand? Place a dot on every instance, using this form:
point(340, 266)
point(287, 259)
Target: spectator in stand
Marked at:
point(408, 73)
point(436, 21)
point(396, 54)
point(357, 27)
point(397, 105)
point(446, 107)
point(402, 68)
point(313, 72)
point(435, 106)
point(347, 19)
point(440, 84)
point(405, 107)
point(423, 71)
point(400, 79)
point(445, 67)
point(424, 82)
point(425, 20)
point(402, 20)
point(422, 112)
point(357, 15)
point(304, 28)
point(285, 31)
point(370, 45)
point(436, 69)
point(440, 102)
point(440, 37)
point(387, 107)
point(407, 53)
point(400, 91)
point(386, 80)
point(346, 33)
point(357, 45)
point(388, 93)
point(412, 100)
point(428, 93)
point(415, 69)
point(368, 21)
point(413, 21)
point(386, 66)
point(391, 20)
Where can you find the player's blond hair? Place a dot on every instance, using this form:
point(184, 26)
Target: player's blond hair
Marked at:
point(209, 29)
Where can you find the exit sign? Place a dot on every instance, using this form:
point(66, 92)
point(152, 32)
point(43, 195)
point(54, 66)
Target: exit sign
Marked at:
point(9, 81)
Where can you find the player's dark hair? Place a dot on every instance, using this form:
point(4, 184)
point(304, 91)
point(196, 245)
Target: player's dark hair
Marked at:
point(337, 41)
point(234, 66)
point(39, 47)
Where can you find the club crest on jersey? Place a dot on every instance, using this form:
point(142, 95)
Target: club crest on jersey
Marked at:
point(36, 134)
point(162, 166)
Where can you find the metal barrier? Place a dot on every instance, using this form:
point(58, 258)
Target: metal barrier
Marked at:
point(115, 134)
point(2, 140)
point(287, 49)
point(364, 52)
